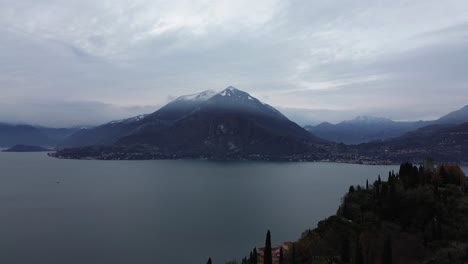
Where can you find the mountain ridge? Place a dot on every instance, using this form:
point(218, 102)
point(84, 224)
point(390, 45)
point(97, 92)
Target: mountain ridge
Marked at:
point(363, 129)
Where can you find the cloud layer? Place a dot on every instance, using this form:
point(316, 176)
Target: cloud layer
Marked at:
point(400, 59)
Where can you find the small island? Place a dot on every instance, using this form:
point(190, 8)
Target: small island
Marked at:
point(26, 148)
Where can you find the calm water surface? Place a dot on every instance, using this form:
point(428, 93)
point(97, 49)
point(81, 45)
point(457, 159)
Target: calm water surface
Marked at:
point(69, 211)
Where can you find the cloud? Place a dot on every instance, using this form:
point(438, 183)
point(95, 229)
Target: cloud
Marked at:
point(77, 113)
point(333, 56)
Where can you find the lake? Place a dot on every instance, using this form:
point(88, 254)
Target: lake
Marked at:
point(72, 211)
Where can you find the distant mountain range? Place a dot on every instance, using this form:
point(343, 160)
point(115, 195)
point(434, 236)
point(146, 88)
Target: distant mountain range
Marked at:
point(366, 129)
point(232, 124)
point(11, 135)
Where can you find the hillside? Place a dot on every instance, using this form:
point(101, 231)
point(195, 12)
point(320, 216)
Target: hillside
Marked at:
point(419, 215)
point(445, 143)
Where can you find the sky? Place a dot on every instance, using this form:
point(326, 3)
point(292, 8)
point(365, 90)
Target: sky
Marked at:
point(86, 62)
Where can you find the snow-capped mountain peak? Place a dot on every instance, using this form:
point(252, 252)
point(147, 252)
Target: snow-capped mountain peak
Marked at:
point(234, 92)
point(128, 120)
point(198, 97)
point(236, 100)
point(368, 120)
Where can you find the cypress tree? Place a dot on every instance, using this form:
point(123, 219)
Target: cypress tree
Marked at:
point(209, 261)
point(281, 257)
point(293, 254)
point(267, 258)
point(387, 251)
point(254, 255)
point(367, 184)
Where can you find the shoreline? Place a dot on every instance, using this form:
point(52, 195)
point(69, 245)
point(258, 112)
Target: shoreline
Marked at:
point(264, 159)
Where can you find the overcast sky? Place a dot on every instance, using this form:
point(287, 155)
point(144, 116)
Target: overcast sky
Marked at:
point(81, 62)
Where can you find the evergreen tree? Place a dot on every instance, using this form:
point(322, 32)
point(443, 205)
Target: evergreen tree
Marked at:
point(421, 176)
point(281, 257)
point(444, 177)
point(293, 254)
point(255, 256)
point(267, 258)
point(209, 261)
point(367, 184)
point(387, 251)
point(351, 189)
point(384, 189)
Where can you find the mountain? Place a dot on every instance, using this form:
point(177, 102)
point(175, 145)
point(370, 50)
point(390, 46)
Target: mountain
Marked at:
point(111, 132)
point(366, 129)
point(229, 124)
point(444, 143)
point(456, 117)
point(11, 135)
point(363, 129)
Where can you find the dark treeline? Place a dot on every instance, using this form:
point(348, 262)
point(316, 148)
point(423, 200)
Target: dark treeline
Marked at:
point(417, 215)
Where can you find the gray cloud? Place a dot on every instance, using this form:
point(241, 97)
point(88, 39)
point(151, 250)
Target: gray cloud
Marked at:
point(316, 60)
point(52, 113)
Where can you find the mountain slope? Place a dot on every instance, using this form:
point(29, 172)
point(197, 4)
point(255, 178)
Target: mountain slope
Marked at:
point(456, 117)
point(111, 132)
